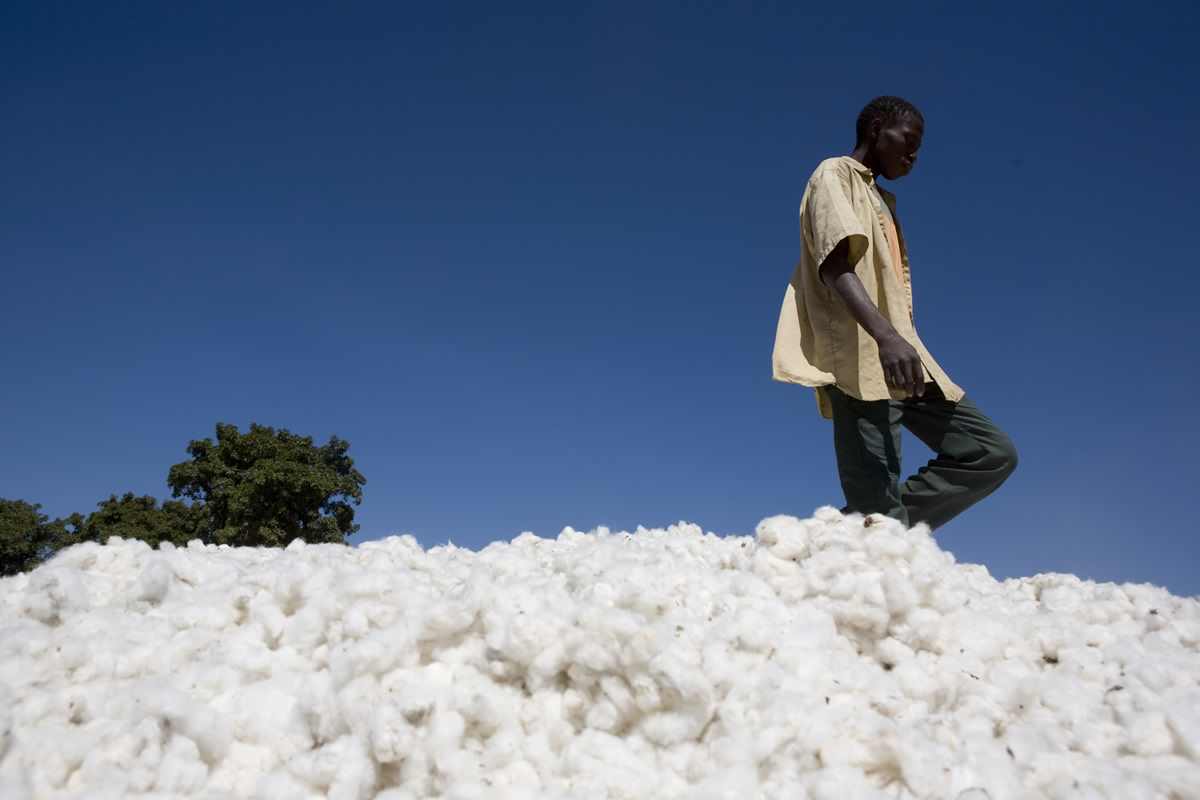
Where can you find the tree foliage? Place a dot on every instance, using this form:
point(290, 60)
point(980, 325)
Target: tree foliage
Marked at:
point(27, 537)
point(266, 487)
point(133, 517)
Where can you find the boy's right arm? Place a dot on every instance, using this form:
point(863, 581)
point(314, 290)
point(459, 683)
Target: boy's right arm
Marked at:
point(900, 361)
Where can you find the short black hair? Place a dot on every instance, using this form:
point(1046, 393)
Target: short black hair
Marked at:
point(884, 110)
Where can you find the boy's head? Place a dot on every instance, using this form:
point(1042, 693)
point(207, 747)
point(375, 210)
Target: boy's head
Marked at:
point(889, 132)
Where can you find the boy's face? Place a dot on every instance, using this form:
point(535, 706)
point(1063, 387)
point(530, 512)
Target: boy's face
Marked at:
point(896, 145)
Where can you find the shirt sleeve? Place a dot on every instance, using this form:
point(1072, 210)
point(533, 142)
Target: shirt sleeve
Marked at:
point(829, 216)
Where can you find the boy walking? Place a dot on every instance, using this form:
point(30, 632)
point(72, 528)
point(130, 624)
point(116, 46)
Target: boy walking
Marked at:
point(846, 329)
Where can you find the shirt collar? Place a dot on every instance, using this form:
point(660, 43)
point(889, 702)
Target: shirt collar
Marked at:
point(859, 167)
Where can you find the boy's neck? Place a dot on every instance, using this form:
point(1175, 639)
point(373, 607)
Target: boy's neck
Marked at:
point(862, 154)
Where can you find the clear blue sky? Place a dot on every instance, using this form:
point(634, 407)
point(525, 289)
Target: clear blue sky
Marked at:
point(528, 259)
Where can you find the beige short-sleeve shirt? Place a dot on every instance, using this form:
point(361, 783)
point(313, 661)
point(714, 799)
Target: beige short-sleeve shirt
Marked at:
point(817, 341)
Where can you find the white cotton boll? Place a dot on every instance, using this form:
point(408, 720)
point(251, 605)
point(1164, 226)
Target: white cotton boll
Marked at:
point(680, 681)
point(280, 785)
point(396, 794)
point(595, 657)
point(922, 767)
point(861, 617)
point(899, 593)
point(487, 709)
point(74, 654)
point(547, 664)
point(791, 545)
point(523, 639)
point(467, 790)
point(892, 651)
point(974, 793)
point(14, 782)
point(666, 728)
point(778, 570)
point(1062, 598)
point(355, 776)
point(238, 773)
point(642, 646)
point(1149, 735)
point(6, 721)
point(318, 707)
point(211, 732)
point(458, 614)
point(340, 769)
point(51, 592)
point(869, 589)
point(355, 622)
point(391, 736)
point(460, 765)
point(1182, 709)
point(181, 770)
point(1154, 675)
point(916, 682)
point(645, 692)
point(845, 585)
point(446, 731)
point(603, 716)
point(154, 581)
point(1098, 737)
point(843, 783)
point(501, 749)
point(518, 776)
point(827, 514)
point(416, 773)
point(357, 702)
point(269, 617)
point(981, 635)
point(619, 693)
point(1187, 631)
point(887, 544)
point(245, 650)
point(268, 715)
point(772, 530)
point(755, 631)
point(732, 784)
point(383, 650)
point(290, 582)
point(574, 704)
point(416, 691)
point(51, 772)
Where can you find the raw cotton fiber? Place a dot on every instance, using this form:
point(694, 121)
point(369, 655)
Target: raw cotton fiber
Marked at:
point(831, 658)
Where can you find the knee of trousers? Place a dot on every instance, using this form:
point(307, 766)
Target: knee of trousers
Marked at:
point(1000, 460)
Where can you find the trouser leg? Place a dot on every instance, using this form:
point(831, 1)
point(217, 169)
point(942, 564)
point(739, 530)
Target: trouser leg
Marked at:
point(866, 439)
point(973, 456)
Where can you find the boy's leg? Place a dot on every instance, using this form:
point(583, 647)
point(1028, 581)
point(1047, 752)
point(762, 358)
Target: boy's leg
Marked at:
point(973, 457)
point(866, 439)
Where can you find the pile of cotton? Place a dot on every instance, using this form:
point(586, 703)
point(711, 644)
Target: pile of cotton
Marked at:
point(830, 658)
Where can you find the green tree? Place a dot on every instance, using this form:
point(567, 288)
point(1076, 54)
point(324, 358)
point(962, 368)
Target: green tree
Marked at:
point(132, 517)
point(27, 537)
point(266, 487)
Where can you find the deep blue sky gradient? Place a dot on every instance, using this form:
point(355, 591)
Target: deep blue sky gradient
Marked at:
point(528, 260)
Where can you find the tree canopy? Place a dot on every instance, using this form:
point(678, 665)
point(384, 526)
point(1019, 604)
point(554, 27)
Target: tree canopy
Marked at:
point(266, 487)
point(133, 517)
point(262, 488)
point(24, 536)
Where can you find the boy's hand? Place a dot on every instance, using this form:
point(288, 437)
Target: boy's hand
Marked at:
point(901, 364)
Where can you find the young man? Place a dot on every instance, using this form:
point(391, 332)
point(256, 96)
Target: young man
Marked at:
point(846, 329)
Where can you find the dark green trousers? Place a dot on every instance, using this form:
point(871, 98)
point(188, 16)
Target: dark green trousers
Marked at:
point(973, 456)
